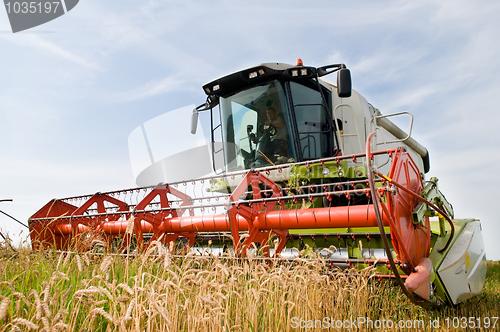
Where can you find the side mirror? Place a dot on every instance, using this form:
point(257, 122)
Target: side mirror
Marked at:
point(344, 84)
point(194, 121)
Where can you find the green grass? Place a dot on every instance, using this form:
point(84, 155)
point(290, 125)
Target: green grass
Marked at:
point(154, 292)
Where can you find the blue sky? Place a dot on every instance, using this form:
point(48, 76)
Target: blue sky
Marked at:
point(73, 89)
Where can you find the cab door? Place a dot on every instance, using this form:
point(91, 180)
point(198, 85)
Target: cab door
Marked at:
point(313, 120)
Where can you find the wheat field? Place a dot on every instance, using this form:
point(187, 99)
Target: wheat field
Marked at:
point(154, 291)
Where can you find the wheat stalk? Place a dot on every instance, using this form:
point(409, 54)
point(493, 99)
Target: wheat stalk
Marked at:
point(66, 260)
point(106, 265)
point(102, 312)
point(59, 261)
point(78, 263)
point(129, 309)
point(60, 326)
point(25, 322)
point(127, 289)
point(38, 304)
point(130, 225)
point(4, 306)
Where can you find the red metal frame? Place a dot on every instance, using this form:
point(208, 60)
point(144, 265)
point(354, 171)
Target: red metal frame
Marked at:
point(416, 238)
point(62, 225)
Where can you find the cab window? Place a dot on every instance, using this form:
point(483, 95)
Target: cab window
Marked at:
point(313, 123)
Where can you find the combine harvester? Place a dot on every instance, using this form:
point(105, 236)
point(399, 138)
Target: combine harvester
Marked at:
point(300, 163)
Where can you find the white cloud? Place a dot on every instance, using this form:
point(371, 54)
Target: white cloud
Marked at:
point(154, 88)
point(39, 42)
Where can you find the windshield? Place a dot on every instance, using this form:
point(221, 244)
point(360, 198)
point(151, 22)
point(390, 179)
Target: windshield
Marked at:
point(256, 127)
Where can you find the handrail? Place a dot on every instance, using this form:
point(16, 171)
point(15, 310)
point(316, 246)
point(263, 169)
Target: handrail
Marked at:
point(402, 140)
point(355, 126)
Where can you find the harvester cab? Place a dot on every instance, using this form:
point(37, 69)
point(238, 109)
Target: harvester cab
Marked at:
point(304, 166)
point(274, 114)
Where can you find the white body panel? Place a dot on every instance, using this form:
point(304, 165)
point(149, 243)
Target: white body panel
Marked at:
point(464, 269)
point(358, 120)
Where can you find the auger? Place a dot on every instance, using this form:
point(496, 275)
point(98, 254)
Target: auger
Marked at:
point(300, 163)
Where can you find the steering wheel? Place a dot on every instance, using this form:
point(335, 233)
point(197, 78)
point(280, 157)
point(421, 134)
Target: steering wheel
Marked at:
point(270, 131)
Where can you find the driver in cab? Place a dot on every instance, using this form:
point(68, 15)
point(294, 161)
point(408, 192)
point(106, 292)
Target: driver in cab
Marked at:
point(274, 131)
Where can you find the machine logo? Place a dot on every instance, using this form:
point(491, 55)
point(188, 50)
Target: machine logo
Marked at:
point(25, 15)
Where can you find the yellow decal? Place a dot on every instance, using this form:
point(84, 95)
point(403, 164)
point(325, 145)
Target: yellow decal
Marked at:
point(386, 177)
point(467, 260)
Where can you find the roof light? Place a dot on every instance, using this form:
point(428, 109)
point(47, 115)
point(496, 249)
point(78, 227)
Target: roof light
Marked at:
point(295, 73)
point(252, 74)
point(303, 72)
point(216, 87)
point(261, 72)
point(299, 63)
